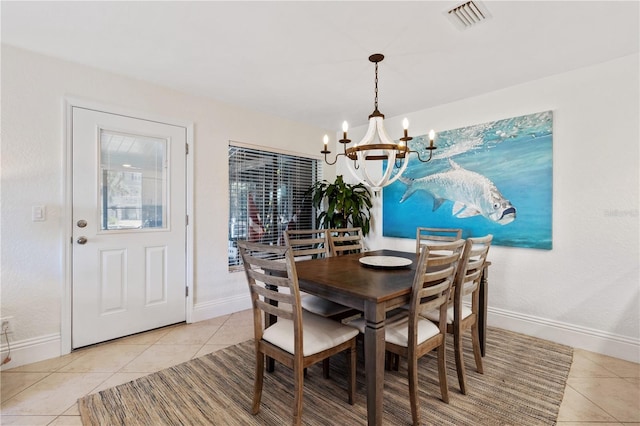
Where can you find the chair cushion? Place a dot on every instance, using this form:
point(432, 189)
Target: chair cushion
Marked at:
point(321, 306)
point(397, 328)
point(397, 332)
point(360, 323)
point(435, 315)
point(318, 334)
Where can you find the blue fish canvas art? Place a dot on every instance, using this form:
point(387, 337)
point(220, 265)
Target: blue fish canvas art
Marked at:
point(492, 178)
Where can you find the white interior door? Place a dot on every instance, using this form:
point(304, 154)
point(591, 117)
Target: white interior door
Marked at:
point(129, 225)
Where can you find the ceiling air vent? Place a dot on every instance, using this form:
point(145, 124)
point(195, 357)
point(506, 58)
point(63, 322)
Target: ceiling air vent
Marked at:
point(468, 14)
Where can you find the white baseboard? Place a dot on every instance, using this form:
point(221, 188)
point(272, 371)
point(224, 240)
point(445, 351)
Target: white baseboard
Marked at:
point(567, 334)
point(216, 308)
point(32, 350)
point(46, 347)
point(49, 346)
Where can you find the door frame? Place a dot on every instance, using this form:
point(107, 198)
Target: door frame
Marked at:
point(67, 219)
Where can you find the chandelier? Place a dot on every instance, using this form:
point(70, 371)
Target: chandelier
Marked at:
point(376, 145)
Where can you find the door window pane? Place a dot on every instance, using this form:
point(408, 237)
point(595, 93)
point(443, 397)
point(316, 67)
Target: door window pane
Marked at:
point(133, 181)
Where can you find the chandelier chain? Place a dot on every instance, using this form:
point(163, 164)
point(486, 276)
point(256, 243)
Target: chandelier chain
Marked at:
point(376, 81)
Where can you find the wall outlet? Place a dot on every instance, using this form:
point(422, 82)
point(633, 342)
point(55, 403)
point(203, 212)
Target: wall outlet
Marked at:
point(6, 325)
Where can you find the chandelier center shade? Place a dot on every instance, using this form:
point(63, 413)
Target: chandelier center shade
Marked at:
point(376, 146)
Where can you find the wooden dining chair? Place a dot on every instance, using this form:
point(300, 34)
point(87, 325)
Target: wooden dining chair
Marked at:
point(444, 245)
point(411, 336)
point(309, 244)
point(459, 316)
point(298, 338)
point(434, 236)
point(345, 241)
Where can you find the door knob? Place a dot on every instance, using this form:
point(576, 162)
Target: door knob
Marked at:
point(82, 240)
point(82, 223)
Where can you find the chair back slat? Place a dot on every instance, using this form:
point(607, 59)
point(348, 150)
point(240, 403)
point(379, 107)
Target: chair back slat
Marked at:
point(307, 243)
point(433, 296)
point(345, 241)
point(274, 295)
point(269, 264)
point(270, 276)
point(434, 236)
point(273, 310)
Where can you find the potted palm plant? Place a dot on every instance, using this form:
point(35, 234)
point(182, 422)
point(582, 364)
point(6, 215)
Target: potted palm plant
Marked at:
point(341, 205)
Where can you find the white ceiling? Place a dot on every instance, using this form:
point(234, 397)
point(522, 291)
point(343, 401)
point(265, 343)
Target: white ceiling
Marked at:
point(308, 60)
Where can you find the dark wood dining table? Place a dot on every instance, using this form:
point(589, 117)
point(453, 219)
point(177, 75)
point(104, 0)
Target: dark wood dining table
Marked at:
point(373, 291)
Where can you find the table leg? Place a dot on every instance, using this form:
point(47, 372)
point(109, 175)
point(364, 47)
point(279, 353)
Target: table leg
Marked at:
point(483, 293)
point(374, 366)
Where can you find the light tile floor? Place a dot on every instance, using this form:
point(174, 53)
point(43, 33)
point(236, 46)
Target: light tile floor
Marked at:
point(600, 391)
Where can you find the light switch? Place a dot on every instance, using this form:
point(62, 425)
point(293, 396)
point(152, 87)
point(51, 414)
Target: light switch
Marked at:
point(38, 213)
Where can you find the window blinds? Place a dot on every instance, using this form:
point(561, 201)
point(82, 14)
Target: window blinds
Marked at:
point(267, 196)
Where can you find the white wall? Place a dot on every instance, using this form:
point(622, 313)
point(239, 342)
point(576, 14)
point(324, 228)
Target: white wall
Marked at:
point(33, 149)
point(584, 292)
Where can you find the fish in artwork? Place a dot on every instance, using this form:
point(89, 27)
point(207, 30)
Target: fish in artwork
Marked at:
point(472, 194)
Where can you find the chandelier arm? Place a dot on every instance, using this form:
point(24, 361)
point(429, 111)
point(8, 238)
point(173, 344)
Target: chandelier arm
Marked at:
point(335, 159)
point(420, 158)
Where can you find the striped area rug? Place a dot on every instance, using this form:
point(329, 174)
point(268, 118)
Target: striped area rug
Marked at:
point(523, 384)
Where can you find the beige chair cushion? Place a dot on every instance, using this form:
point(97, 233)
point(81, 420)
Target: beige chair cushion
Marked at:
point(397, 332)
point(318, 334)
point(397, 329)
point(435, 315)
point(321, 306)
point(360, 323)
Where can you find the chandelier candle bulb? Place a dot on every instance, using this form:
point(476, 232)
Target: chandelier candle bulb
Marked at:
point(404, 140)
point(432, 136)
point(325, 140)
point(345, 127)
